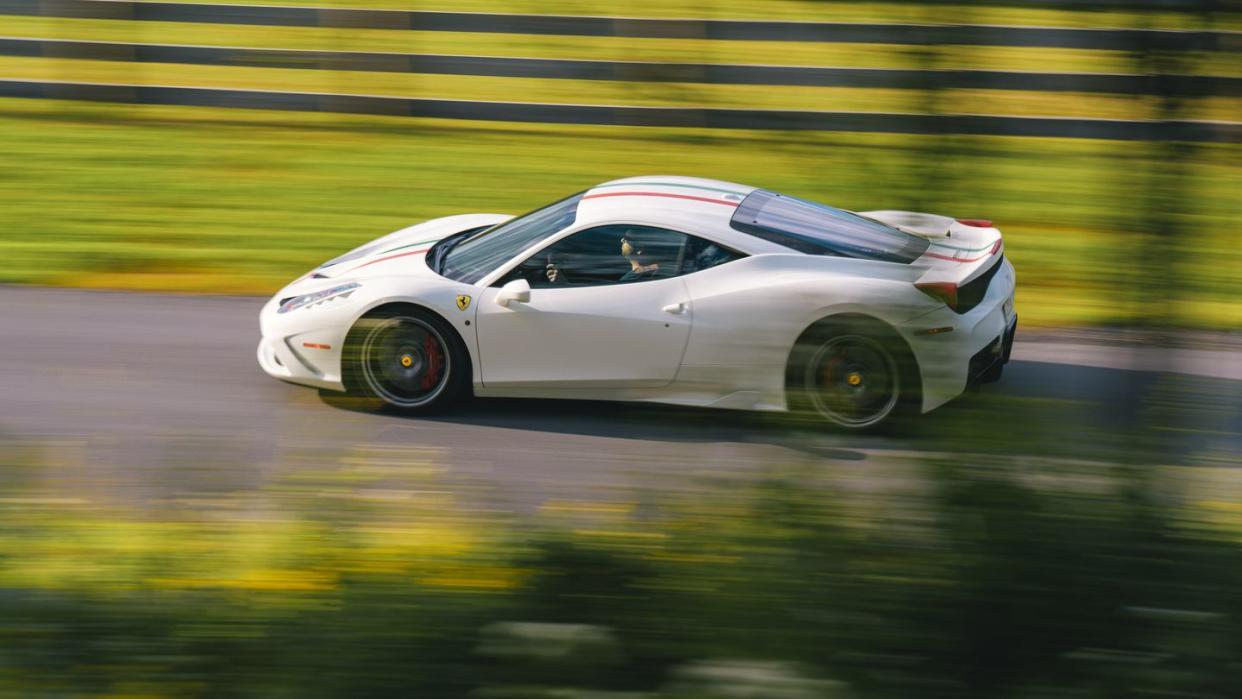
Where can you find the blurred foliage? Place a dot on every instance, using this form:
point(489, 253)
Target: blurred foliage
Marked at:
point(982, 576)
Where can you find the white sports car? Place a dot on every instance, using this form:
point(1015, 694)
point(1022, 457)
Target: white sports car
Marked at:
point(665, 289)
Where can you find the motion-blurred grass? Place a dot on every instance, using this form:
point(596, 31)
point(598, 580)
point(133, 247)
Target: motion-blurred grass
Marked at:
point(818, 10)
point(963, 576)
point(233, 201)
point(1003, 102)
point(591, 48)
point(208, 200)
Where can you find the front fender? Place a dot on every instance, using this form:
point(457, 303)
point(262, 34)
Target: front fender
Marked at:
point(306, 345)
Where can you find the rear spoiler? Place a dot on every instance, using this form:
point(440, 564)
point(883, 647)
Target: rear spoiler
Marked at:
point(961, 250)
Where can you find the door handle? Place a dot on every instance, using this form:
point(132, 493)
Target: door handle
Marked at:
point(675, 308)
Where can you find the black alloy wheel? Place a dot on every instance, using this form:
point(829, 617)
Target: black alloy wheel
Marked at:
point(408, 359)
point(856, 373)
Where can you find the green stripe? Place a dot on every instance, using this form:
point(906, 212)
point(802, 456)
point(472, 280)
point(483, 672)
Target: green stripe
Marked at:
point(671, 184)
point(421, 242)
point(730, 191)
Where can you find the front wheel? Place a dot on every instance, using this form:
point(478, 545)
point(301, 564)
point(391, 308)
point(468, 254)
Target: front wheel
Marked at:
point(854, 379)
point(408, 359)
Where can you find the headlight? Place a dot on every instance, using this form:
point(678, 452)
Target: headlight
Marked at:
point(295, 302)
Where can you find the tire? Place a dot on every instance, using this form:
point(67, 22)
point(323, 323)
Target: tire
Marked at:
point(406, 359)
point(858, 375)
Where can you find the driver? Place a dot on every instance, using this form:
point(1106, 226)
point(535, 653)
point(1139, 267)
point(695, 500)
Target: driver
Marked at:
point(641, 266)
point(632, 251)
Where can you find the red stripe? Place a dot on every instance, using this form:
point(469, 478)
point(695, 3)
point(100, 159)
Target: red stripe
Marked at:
point(661, 194)
point(391, 257)
point(995, 247)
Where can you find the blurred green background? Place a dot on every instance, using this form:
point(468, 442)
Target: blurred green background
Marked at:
point(953, 576)
point(235, 201)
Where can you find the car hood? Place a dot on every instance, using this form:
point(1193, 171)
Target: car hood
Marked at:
point(402, 252)
point(366, 260)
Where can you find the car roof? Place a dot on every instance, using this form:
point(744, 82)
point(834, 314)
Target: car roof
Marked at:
point(664, 198)
point(694, 205)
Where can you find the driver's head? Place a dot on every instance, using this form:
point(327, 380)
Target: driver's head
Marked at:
point(631, 245)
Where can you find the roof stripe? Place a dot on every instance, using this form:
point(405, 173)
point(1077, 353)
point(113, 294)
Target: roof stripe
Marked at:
point(671, 184)
point(661, 194)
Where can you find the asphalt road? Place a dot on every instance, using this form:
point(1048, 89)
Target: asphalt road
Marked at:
point(148, 396)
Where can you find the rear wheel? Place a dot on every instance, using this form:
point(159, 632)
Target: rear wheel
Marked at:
point(855, 375)
point(406, 358)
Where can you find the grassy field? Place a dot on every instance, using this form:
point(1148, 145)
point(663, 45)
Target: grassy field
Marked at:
point(817, 10)
point(1004, 102)
point(598, 48)
point(233, 201)
point(380, 579)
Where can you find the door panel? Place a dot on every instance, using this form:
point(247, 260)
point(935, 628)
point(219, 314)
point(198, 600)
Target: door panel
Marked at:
point(581, 337)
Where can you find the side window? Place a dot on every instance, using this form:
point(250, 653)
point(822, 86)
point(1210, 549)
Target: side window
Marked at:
point(704, 254)
point(615, 254)
point(618, 254)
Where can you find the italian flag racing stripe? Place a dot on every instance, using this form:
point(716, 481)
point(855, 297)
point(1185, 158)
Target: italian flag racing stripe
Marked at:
point(672, 184)
point(665, 195)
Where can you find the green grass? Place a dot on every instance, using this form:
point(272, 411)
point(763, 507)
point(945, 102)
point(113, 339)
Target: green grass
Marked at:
point(365, 576)
point(817, 10)
point(1003, 102)
point(209, 200)
point(598, 48)
point(238, 201)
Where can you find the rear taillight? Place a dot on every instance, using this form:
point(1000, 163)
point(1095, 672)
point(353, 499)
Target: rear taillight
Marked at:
point(975, 222)
point(941, 291)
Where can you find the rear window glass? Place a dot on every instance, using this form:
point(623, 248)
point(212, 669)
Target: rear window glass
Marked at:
point(816, 229)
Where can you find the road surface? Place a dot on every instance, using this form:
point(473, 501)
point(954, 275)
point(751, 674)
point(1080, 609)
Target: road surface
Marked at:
point(154, 396)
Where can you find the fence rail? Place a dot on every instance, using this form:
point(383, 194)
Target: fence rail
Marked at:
point(715, 118)
point(565, 25)
point(632, 71)
point(1142, 42)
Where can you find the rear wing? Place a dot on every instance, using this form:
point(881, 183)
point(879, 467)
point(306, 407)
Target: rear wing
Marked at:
point(960, 262)
point(961, 249)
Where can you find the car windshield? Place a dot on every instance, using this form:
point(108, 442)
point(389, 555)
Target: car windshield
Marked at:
point(475, 257)
point(817, 229)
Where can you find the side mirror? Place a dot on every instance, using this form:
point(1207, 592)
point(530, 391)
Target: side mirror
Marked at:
point(516, 290)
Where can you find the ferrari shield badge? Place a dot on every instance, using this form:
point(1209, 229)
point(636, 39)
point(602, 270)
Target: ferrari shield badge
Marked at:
point(463, 302)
